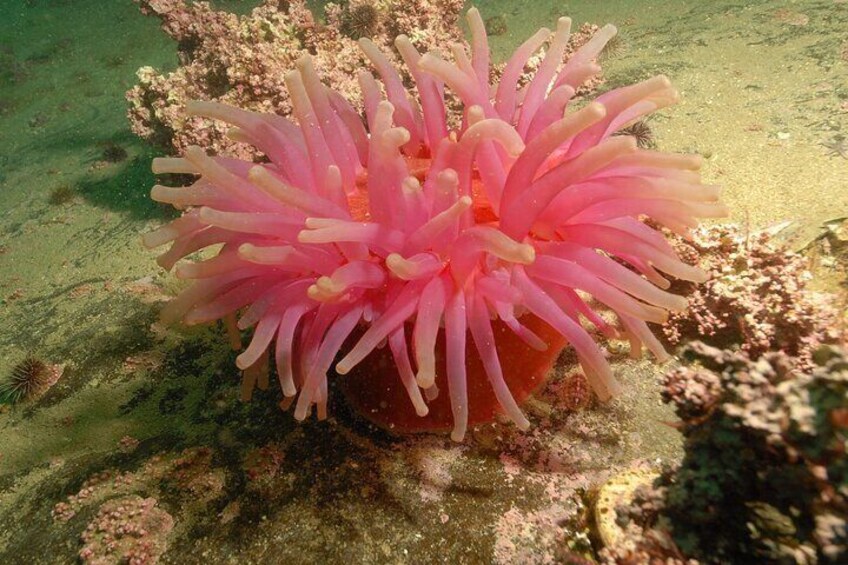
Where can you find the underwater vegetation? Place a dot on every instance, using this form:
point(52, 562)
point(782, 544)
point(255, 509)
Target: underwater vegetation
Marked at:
point(764, 478)
point(130, 529)
point(241, 60)
point(757, 297)
point(112, 152)
point(401, 228)
point(61, 194)
point(11, 68)
point(6, 106)
point(40, 119)
point(129, 525)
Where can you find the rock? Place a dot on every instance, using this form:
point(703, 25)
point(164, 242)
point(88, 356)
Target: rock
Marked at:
point(612, 494)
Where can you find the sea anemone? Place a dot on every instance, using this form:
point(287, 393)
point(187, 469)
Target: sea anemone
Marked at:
point(395, 229)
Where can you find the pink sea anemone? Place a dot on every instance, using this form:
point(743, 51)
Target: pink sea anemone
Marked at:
point(396, 229)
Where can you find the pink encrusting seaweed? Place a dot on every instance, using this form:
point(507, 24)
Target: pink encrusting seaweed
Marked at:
point(374, 227)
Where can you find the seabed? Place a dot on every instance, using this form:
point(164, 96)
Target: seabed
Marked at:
point(763, 96)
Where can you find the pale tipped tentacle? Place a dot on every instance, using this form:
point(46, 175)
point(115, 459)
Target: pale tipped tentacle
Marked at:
point(418, 266)
point(319, 154)
point(639, 334)
point(284, 349)
point(405, 112)
point(506, 96)
point(618, 243)
point(484, 339)
point(571, 275)
point(278, 138)
point(340, 146)
point(540, 148)
point(395, 315)
point(479, 47)
point(330, 343)
point(397, 343)
point(429, 92)
point(354, 274)
point(573, 73)
point(456, 322)
point(597, 369)
point(538, 87)
point(474, 242)
point(518, 220)
point(308, 203)
point(430, 310)
point(328, 230)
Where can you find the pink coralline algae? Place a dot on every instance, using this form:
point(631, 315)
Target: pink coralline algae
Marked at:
point(189, 473)
point(764, 477)
point(757, 298)
point(443, 243)
point(131, 530)
point(242, 61)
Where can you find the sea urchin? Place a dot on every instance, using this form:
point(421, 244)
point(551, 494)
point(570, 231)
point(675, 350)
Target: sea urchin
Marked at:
point(402, 231)
point(27, 380)
point(360, 21)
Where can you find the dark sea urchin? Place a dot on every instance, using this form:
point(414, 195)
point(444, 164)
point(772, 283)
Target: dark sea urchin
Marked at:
point(27, 380)
point(468, 252)
point(640, 131)
point(360, 21)
point(615, 47)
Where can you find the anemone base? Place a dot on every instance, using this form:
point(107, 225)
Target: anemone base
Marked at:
point(375, 390)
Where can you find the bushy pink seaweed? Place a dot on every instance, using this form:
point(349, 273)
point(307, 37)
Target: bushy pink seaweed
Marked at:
point(758, 297)
point(130, 529)
point(399, 223)
point(242, 60)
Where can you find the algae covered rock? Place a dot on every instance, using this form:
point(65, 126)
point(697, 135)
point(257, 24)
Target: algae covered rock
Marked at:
point(764, 477)
point(759, 297)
